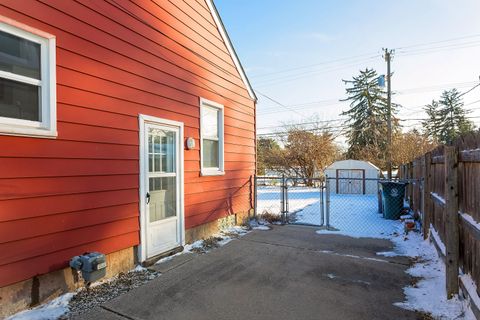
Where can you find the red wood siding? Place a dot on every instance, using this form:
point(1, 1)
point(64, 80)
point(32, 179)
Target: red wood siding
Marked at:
point(79, 192)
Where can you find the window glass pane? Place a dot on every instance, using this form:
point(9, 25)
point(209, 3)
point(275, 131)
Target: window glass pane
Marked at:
point(157, 162)
point(19, 100)
point(19, 56)
point(210, 154)
point(210, 122)
point(162, 149)
point(156, 145)
point(170, 152)
point(163, 200)
point(150, 163)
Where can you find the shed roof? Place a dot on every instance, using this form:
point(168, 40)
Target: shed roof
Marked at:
point(352, 164)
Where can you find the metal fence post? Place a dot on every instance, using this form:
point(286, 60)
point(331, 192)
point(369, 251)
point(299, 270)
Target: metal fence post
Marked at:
point(284, 199)
point(327, 218)
point(322, 208)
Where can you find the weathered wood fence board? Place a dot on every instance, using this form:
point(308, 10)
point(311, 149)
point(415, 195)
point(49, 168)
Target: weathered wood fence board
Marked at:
point(431, 197)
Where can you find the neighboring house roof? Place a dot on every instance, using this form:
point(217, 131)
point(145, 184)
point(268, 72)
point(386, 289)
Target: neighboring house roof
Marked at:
point(228, 43)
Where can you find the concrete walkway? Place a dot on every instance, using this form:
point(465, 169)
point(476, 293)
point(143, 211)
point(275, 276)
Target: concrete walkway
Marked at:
point(289, 272)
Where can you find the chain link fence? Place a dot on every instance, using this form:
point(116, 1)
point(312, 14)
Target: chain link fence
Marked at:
point(359, 207)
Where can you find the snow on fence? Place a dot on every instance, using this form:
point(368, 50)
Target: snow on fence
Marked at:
point(449, 202)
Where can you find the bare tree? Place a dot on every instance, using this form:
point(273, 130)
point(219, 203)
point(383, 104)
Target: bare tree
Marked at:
point(409, 146)
point(305, 153)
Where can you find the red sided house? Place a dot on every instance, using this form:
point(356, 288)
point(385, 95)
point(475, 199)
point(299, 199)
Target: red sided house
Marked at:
point(127, 127)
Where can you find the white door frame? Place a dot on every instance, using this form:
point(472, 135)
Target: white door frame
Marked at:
point(143, 119)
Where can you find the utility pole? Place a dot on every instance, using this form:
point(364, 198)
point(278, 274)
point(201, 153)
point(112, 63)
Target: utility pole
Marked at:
point(388, 58)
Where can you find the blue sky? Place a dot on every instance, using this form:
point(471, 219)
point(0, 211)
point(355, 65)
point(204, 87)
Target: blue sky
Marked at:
point(272, 37)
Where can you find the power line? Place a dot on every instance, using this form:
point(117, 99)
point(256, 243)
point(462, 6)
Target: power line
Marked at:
point(330, 102)
point(303, 123)
point(435, 50)
point(314, 65)
point(309, 73)
point(441, 41)
point(278, 103)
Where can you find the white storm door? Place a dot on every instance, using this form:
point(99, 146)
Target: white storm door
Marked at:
point(162, 186)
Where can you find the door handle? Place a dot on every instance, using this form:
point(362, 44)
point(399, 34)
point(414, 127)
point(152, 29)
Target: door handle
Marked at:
point(148, 197)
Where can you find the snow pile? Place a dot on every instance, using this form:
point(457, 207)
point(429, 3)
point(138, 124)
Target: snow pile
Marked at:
point(51, 310)
point(428, 294)
point(259, 225)
point(217, 240)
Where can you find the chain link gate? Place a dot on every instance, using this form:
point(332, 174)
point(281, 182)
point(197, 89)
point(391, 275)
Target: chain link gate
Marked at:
point(292, 200)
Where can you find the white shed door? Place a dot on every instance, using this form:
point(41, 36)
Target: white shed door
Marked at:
point(350, 181)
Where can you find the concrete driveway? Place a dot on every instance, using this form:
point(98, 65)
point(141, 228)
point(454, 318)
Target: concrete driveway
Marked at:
point(289, 272)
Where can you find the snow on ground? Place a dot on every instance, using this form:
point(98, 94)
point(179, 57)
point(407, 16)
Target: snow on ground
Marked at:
point(269, 199)
point(429, 293)
point(357, 216)
point(51, 310)
point(352, 215)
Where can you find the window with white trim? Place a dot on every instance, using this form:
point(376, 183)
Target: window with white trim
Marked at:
point(211, 138)
point(27, 82)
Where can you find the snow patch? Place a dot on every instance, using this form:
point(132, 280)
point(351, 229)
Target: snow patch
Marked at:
point(264, 228)
point(438, 240)
point(387, 254)
point(470, 220)
point(429, 293)
point(51, 310)
point(438, 198)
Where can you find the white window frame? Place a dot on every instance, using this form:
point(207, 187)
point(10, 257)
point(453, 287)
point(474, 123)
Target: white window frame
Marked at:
point(47, 127)
point(221, 142)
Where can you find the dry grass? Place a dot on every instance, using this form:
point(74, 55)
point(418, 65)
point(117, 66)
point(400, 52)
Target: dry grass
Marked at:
point(269, 217)
point(208, 244)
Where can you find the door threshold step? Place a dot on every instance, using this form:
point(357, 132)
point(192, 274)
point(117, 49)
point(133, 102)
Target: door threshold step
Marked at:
point(151, 261)
point(172, 263)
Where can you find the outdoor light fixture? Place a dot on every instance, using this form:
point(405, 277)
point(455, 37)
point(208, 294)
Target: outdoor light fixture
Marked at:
point(190, 143)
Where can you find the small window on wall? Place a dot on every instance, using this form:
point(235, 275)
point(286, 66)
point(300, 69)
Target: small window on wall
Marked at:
point(27, 81)
point(211, 138)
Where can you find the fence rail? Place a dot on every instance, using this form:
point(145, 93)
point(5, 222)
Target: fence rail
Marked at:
point(451, 205)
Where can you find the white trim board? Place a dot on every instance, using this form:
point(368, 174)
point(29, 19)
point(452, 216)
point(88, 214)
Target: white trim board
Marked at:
point(231, 49)
point(142, 120)
point(46, 126)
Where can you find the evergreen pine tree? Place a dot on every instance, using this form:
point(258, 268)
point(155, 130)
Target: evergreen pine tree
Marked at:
point(367, 117)
point(453, 117)
point(433, 124)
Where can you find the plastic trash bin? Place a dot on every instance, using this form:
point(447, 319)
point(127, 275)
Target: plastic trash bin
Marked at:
point(393, 194)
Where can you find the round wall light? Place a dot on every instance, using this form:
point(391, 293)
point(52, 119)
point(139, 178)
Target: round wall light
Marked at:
point(190, 143)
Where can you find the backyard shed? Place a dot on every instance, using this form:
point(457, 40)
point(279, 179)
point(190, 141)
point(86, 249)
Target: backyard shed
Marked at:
point(351, 177)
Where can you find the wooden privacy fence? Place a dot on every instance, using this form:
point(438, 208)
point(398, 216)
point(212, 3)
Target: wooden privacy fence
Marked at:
point(446, 194)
